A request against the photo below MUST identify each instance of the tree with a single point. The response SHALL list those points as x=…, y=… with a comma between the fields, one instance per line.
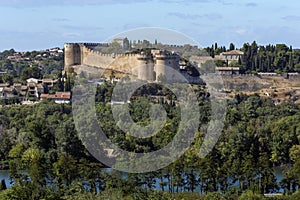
x=33, y=159
x=2, y=185
x=65, y=170
x=295, y=157
x=31, y=72
x=231, y=47
x=7, y=78
x=234, y=63
x=220, y=63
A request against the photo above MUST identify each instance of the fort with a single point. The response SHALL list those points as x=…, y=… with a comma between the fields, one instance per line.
x=150, y=66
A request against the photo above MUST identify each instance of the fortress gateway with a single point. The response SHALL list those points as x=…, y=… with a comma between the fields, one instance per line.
x=150, y=66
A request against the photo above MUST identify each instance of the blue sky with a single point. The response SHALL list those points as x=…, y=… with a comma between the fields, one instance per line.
x=39, y=24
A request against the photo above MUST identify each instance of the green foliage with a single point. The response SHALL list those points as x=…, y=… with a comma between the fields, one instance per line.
x=31, y=72
x=295, y=196
x=277, y=58
x=208, y=67
x=269, y=58
x=214, y=196
x=220, y=63
x=8, y=78
x=258, y=135
x=16, y=151
x=249, y=195
x=27, y=191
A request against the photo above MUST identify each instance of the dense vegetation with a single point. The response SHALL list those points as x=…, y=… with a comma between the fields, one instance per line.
x=277, y=58
x=40, y=146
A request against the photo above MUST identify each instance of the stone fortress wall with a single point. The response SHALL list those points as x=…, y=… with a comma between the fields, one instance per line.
x=143, y=66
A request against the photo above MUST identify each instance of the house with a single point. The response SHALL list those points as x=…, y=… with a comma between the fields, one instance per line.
x=24, y=89
x=9, y=92
x=49, y=83
x=35, y=90
x=62, y=97
x=3, y=85
x=36, y=87
x=32, y=80
x=55, y=49
x=17, y=86
x=233, y=55
x=32, y=90
x=39, y=89
x=58, y=97
x=46, y=82
x=44, y=96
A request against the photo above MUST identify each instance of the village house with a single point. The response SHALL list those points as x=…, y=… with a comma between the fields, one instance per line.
x=233, y=55
x=49, y=83
x=32, y=90
x=17, y=86
x=9, y=92
x=35, y=89
x=62, y=97
x=58, y=97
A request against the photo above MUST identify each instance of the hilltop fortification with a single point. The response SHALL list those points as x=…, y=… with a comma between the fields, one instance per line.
x=150, y=65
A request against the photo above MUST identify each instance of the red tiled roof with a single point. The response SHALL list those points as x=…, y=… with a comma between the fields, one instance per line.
x=44, y=95
x=63, y=95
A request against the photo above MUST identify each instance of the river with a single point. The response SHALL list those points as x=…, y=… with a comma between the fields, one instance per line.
x=4, y=174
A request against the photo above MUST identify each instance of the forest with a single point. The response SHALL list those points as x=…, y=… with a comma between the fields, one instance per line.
x=46, y=159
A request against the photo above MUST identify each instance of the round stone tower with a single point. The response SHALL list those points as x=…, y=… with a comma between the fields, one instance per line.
x=72, y=54
x=166, y=66
x=146, y=67
x=161, y=64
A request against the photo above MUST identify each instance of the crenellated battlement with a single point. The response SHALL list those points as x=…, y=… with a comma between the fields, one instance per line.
x=146, y=66
x=96, y=44
x=166, y=56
